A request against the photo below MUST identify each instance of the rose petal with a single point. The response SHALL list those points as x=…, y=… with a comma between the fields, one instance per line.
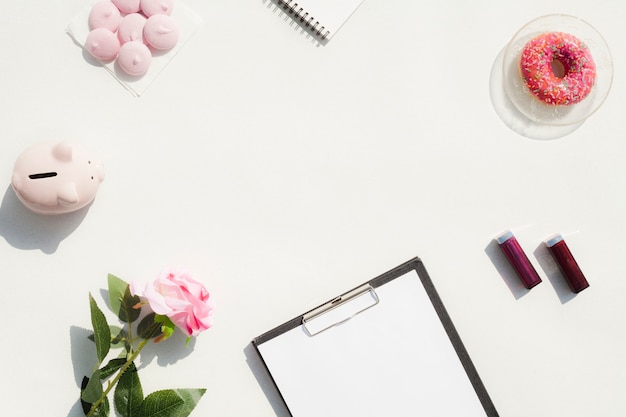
x=176, y=294
x=135, y=289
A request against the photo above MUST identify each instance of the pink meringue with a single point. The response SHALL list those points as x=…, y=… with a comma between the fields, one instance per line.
x=131, y=28
x=127, y=6
x=161, y=32
x=102, y=44
x=104, y=14
x=152, y=7
x=134, y=58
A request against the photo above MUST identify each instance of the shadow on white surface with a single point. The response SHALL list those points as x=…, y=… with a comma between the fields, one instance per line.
x=24, y=229
x=167, y=352
x=76, y=410
x=255, y=363
x=511, y=116
x=552, y=271
x=506, y=271
x=83, y=356
x=87, y=57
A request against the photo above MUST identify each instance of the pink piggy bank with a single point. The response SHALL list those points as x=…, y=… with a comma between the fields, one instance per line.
x=56, y=177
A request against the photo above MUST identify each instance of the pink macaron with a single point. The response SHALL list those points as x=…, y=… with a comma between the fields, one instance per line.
x=152, y=7
x=134, y=58
x=161, y=32
x=102, y=44
x=104, y=14
x=131, y=28
x=127, y=6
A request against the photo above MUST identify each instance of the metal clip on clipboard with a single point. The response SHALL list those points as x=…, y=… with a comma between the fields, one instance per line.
x=339, y=310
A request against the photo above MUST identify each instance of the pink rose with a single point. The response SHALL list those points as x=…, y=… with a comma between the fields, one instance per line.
x=184, y=300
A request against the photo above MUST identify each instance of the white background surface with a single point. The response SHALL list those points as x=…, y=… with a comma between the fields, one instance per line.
x=283, y=173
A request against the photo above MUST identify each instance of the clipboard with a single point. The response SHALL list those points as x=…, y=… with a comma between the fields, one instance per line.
x=387, y=347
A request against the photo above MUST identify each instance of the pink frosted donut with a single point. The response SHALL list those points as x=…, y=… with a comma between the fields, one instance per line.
x=161, y=32
x=561, y=53
x=104, y=14
x=152, y=7
x=131, y=28
x=134, y=58
x=127, y=6
x=102, y=44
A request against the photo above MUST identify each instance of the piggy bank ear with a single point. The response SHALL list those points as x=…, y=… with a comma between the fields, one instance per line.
x=67, y=194
x=62, y=151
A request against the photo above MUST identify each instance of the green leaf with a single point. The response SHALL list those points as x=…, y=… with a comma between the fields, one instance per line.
x=117, y=288
x=111, y=367
x=122, y=301
x=148, y=327
x=128, y=393
x=93, y=390
x=191, y=397
x=85, y=405
x=171, y=403
x=167, y=326
x=103, y=408
x=119, y=337
x=101, y=331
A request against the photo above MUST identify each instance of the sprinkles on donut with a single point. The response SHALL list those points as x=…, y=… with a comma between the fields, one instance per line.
x=564, y=54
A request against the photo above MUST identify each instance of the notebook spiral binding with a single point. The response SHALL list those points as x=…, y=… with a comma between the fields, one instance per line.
x=291, y=6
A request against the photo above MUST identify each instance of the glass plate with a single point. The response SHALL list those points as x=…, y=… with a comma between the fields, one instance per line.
x=526, y=102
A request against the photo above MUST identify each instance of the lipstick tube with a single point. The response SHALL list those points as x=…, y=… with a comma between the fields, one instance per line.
x=518, y=259
x=567, y=264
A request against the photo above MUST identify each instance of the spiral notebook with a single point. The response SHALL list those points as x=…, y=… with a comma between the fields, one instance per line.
x=322, y=18
x=385, y=348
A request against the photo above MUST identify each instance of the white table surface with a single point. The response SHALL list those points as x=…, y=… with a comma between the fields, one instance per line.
x=282, y=173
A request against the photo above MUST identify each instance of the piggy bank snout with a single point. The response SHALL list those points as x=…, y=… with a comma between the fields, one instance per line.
x=99, y=172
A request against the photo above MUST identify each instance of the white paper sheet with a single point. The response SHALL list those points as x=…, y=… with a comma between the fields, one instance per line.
x=394, y=359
